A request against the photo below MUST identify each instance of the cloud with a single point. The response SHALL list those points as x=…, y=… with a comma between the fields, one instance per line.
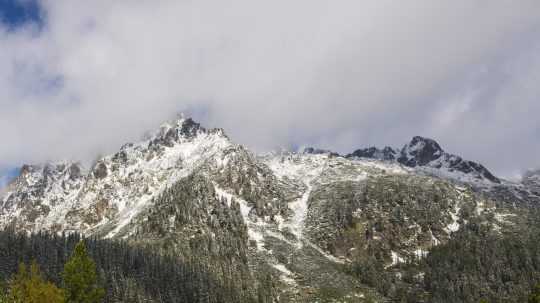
x=338, y=75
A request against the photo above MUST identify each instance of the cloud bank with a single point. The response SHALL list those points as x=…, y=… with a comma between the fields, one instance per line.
x=337, y=75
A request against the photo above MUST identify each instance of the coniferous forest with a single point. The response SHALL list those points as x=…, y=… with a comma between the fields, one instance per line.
x=479, y=264
x=127, y=273
x=475, y=266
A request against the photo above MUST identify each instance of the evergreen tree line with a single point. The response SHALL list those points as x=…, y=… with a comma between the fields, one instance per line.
x=126, y=273
x=482, y=264
x=478, y=264
x=79, y=283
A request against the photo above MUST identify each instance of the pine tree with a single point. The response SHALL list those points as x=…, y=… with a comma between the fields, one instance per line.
x=30, y=287
x=80, y=278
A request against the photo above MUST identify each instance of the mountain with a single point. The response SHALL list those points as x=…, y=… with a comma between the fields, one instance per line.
x=67, y=196
x=283, y=226
x=427, y=154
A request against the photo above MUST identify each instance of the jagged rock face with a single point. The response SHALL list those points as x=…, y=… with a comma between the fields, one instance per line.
x=116, y=189
x=427, y=156
x=426, y=152
x=37, y=192
x=386, y=154
x=300, y=216
x=420, y=152
x=100, y=171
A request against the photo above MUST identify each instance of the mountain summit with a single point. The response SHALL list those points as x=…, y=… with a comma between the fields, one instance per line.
x=428, y=155
x=315, y=224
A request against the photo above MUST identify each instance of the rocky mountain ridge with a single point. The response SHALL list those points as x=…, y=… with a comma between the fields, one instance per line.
x=300, y=217
x=427, y=154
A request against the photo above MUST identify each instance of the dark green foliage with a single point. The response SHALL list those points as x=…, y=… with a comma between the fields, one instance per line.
x=129, y=274
x=189, y=221
x=479, y=263
x=80, y=278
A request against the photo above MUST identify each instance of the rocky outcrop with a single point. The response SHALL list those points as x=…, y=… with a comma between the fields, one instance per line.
x=423, y=153
x=385, y=154
x=420, y=152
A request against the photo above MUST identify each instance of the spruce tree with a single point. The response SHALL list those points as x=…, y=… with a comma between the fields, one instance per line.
x=80, y=278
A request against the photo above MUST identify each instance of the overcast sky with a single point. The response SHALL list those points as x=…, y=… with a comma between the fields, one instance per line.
x=89, y=76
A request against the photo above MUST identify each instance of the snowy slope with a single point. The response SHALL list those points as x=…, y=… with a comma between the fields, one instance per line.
x=65, y=196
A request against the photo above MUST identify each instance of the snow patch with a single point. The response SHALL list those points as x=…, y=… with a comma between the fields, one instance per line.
x=454, y=226
x=286, y=275
x=420, y=253
x=396, y=259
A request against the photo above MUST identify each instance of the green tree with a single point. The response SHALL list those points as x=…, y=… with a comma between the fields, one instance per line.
x=28, y=286
x=534, y=297
x=80, y=278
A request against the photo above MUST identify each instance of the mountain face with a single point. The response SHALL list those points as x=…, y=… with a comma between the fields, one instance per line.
x=105, y=197
x=386, y=154
x=312, y=221
x=427, y=154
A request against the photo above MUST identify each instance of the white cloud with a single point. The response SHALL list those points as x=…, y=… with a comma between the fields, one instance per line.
x=340, y=74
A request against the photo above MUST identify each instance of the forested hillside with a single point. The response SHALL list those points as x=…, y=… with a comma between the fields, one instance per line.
x=479, y=264
x=128, y=274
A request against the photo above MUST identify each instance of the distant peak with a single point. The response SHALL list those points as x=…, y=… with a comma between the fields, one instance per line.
x=387, y=153
x=178, y=129
x=418, y=142
x=420, y=151
x=425, y=152
x=318, y=151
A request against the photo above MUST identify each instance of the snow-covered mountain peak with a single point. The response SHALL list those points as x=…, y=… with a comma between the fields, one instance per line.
x=420, y=151
x=179, y=130
x=43, y=175
x=427, y=156
x=116, y=188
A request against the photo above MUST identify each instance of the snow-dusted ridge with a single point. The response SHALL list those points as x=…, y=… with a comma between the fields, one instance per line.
x=118, y=187
x=286, y=200
x=106, y=198
x=426, y=156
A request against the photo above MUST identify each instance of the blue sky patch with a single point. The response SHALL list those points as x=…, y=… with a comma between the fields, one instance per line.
x=16, y=13
x=6, y=175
